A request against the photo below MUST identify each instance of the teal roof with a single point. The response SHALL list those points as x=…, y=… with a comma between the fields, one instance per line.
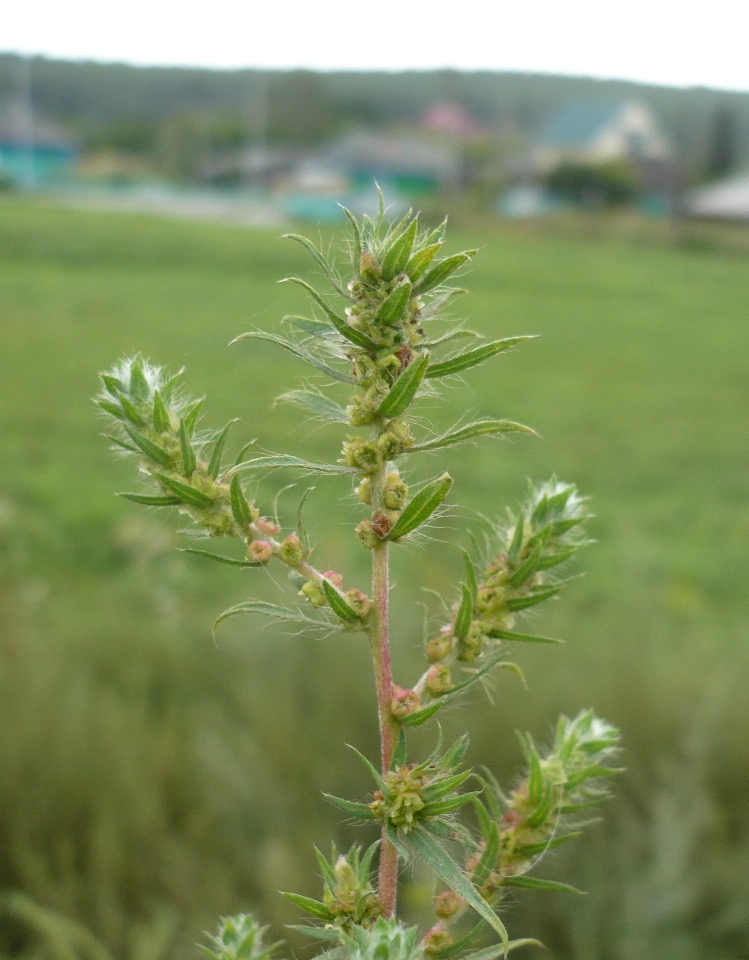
x=577, y=124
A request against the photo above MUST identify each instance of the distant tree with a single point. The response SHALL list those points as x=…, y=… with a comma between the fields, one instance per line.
x=299, y=108
x=723, y=153
x=594, y=185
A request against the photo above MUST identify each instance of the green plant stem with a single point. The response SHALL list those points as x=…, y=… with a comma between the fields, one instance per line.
x=380, y=640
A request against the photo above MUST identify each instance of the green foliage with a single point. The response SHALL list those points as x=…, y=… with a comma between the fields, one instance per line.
x=593, y=186
x=381, y=338
x=663, y=595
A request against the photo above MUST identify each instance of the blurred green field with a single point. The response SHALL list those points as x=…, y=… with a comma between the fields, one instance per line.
x=151, y=779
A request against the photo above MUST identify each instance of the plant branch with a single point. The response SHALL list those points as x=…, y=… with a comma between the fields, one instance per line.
x=380, y=640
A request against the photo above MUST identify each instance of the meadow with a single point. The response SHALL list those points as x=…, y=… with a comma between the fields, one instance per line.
x=151, y=779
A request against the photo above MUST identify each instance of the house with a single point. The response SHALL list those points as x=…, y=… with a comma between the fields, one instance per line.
x=402, y=164
x=34, y=151
x=725, y=200
x=599, y=133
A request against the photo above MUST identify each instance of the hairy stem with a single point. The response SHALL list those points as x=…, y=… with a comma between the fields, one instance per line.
x=380, y=640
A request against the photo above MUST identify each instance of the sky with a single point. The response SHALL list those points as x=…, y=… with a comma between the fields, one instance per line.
x=655, y=41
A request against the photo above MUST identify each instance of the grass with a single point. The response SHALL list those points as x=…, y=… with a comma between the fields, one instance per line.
x=637, y=386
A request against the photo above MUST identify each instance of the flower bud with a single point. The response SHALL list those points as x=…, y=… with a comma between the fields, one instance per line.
x=404, y=702
x=291, y=549
x=396, y=492
x=448, y=903
x=335, y=578
x=361, y=454
x=268, y=527
x=359, y=601
x=470, y=648
x=365, y=490
x=437, y=940
x=368, y=269
x=367, y=535
x=314, y=593
x=439, y=647
x=439, y=680
x=260, y=551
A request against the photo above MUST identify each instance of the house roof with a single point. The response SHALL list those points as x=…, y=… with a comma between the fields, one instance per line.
x=577, y=124
x=393, y=155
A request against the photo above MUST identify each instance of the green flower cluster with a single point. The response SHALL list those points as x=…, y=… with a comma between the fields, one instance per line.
x=349, y=899
x=239, y=938
x=539, y=813
x=386, y=940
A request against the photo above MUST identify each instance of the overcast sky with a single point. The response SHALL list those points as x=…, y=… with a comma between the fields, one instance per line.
x=658, y=41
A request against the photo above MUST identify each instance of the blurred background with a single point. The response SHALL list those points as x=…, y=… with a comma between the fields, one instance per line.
x=152, y=779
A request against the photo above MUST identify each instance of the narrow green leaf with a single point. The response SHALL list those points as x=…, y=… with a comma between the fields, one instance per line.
x=465, y=614
x=328, y=934
x=317, y=404
x=401, y=751
x=114, y=410
x=500, y=950
x=121, y=443
x=151, y=501
x=239, y=506
x=554, y=559
x=536, y=849
x=441, y=788
x=431, y=851
x=517, y=539
x=543, y=810
x=327, y=870
x=421, y=260
x=152, y=450
x=131, y=411
x=313, y=907
x=191, y=418
x=480, y=428
x=322, y=261
x=186, y=493
x=471, y=575
x=421, y=508
x=243, y=451
x=277, y=461
x=214, y=467
x=220, y=558
x=452, y=335
x=365, y=867
x=404, y=389
x=534, y=883
x=527, y=568
x=438, y=808
x=522, y=603
x=342, y=326
x=168, y=388
x=339, y=605
x=189, y=461
x=298, y=351
x=472, y=358
x=395, y=260
x=444, y=269
x=370, y=766
x=397, y=840
x=112, y=385
x=139, y=388
x=301, y=525
x=356, y=239
x=535, y=775
x=421, y=716
x=488, y=861
x=161, y=420
x=272, y=610
x=315, y=328
x=394, y=306
x=520, y=637
x=359, y=810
